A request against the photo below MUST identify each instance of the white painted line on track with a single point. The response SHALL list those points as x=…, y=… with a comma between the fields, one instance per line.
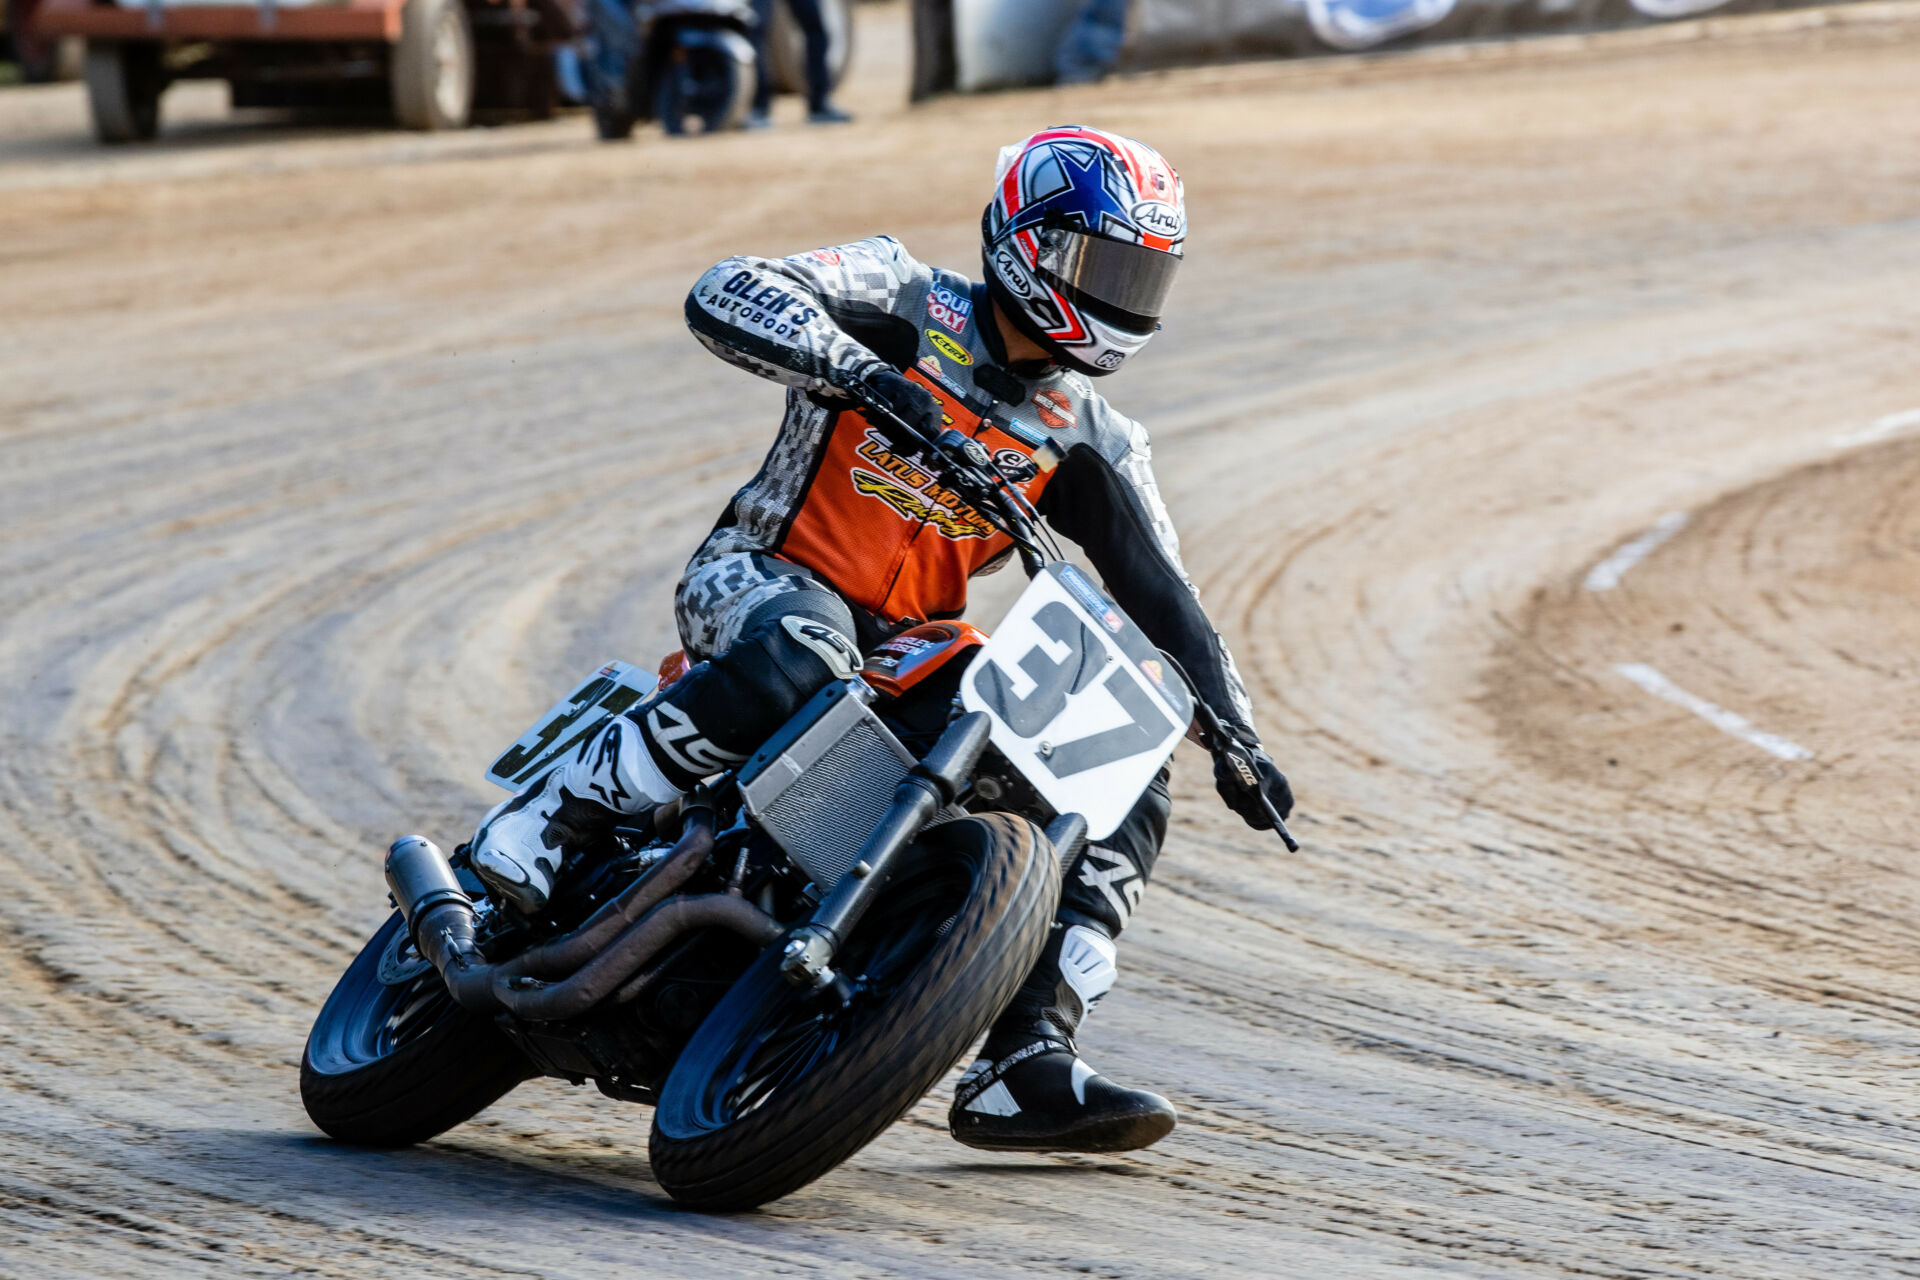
x=1719, y=717
x=1892, y=424
x=1605, y=576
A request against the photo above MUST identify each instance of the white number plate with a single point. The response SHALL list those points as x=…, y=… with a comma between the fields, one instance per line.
x=604, y=694
x=1080, y=699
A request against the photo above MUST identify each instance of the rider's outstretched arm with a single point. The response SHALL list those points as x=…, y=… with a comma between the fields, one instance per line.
x=1107, y=501
x=820, y=321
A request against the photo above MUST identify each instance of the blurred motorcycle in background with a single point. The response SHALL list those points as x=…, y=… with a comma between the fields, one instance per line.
x=689, y=64
x=692, y=64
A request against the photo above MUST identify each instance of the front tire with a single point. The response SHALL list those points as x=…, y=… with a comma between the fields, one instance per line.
x=392, y=1060
x=778, y=1085
x=432, y=70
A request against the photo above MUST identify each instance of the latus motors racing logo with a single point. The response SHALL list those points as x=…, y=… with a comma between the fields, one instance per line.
x=913, y=493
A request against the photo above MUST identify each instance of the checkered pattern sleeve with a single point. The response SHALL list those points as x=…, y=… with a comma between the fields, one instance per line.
x=787, y=319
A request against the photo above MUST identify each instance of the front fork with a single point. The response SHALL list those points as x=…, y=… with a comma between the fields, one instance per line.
x=933, y=784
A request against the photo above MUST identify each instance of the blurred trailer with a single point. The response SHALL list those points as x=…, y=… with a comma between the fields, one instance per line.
x=436, y=63
x=39, y=58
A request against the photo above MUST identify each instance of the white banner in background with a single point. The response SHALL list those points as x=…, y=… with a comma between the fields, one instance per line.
x=1362, y=24
x=1675, y=8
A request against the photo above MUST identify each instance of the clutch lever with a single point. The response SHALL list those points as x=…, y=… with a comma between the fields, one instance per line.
x=965, y=468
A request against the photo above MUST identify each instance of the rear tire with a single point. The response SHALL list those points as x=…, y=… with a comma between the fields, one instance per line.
x=777, y=1087
x=124, y=84
x=391, y=1063
x=433, y=65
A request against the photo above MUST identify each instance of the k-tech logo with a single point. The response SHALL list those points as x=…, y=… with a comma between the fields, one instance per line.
x=914, y=493
x=1158, y=218
x=949, y=308
x=948, y=347
x=751, y=303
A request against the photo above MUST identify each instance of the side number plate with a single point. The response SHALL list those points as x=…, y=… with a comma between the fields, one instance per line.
x=1079, y=698
x=604, y=694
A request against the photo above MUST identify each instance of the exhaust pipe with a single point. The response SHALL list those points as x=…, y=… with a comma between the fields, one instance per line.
x=439, y=917
x=604, y=953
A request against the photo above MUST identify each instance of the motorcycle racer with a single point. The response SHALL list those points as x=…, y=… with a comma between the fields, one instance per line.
x=841, y=540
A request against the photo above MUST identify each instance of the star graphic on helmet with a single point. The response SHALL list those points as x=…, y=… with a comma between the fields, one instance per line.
x=1070, y=184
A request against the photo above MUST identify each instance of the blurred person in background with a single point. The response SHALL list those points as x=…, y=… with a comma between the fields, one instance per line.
x=820, y=108
x=1091, y=45
x=809, y=568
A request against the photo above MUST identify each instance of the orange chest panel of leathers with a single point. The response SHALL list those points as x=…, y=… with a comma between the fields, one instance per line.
x=881, y=527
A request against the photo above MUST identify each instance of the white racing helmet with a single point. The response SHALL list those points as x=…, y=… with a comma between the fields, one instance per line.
x=1081, y=242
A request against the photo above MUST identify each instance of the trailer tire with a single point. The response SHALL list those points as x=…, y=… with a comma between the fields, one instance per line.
x=124, y=82
x=432, y=66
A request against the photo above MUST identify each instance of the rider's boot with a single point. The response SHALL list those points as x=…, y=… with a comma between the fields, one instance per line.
x=1030, y=1090
x=520, y=844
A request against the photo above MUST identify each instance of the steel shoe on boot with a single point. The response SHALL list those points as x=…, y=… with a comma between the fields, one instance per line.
x=1030, y=1090
x=1044, y=1097
x=519, y=846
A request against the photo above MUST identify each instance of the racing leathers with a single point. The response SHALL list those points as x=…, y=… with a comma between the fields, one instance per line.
x=843, y=538
x=839, y=509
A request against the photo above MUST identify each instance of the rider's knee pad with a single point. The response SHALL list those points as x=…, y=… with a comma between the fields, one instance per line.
x=728, y=705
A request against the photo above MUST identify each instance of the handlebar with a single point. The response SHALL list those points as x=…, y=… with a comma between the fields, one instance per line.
x=969, y=470
x=1221, y=744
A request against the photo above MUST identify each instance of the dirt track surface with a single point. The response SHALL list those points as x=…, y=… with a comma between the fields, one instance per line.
x=329, y=457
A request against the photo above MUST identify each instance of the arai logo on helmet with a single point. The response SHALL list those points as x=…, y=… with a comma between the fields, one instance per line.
x=1158, y=218
x=1013, y=273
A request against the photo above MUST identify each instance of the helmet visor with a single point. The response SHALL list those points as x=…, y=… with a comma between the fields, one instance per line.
x=1124, y=284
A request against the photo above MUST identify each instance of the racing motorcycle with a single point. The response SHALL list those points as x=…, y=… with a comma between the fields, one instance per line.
x=788, y=958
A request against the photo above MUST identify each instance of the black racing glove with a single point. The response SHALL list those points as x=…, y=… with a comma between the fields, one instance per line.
x=1242, y=774
x=906, y=398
